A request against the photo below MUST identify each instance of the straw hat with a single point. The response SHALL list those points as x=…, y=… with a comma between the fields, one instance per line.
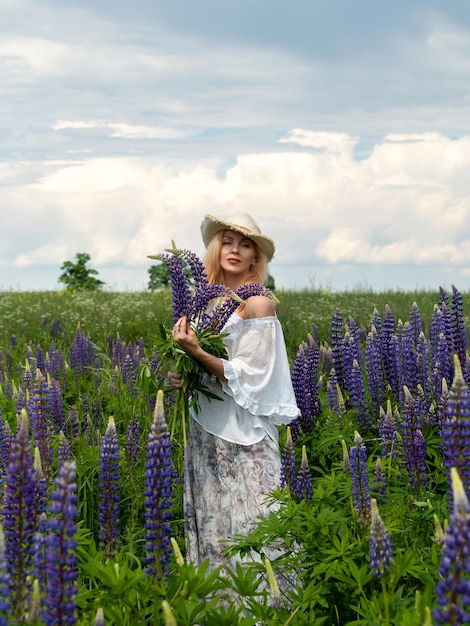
x=241, y=223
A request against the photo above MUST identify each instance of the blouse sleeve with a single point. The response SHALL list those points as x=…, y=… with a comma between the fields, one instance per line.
x=257, y=371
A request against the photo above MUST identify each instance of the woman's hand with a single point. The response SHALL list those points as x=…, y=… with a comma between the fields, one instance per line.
x=185, y=337
x=174, y=378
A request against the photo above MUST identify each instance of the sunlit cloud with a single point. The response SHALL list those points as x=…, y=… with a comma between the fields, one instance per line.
x=128, y=131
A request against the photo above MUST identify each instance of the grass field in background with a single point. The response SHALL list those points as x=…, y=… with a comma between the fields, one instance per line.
x=38, y=316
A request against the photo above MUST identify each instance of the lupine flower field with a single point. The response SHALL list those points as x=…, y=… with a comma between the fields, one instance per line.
x=373, y=509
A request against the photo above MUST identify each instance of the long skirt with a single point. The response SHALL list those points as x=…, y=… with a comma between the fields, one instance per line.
x=225, y=489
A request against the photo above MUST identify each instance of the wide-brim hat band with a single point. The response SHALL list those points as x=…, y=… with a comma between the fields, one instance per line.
x=240, y=223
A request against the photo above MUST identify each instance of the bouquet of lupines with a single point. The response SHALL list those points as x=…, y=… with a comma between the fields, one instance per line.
x=207, y=308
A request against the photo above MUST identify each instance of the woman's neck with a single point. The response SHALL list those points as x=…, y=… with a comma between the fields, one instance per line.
x=234, y=282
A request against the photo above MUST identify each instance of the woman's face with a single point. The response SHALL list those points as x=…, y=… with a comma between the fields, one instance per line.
x=237, y=255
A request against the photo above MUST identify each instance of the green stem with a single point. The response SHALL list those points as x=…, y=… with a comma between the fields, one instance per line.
x=386, y=600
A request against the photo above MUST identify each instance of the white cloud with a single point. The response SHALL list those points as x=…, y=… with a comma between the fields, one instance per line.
x=128, y=131
x=407, y=204
x=30, y=58
x=339, y=144
x=43, y=255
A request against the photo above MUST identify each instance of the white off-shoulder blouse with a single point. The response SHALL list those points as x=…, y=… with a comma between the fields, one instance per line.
x=258, y=394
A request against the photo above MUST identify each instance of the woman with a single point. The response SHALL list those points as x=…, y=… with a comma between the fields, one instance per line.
x=232, y=458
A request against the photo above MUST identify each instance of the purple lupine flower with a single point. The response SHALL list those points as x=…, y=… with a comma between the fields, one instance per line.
x=40, y=360
x=197, y=269
x=72, y=427
x=416, y=322
x=21, y=400
x=455, y=427
x=6, y=437
x=357, y=396
x=453, y=587
x=442, y=411
x=303, y=487
x=380, y=482
x=459, y=332
x=389, y=352
x=346, y=358
x=441, y=369
x=39, y=552
x=180, y=290
x=133, y=440
x=334, y=397
x=218, y=316
x=158, y=495
x=436, y=328
x=129, y=375
x=376, y=320
x=288, y=463
x=19, y=514
x=304, y=376
x=375, y=378
x=57, y=406
x=40, y=413
x=82, y=353
x=28, y=377
x=447, y=330
x=360, y=481
x=387, y=431
x=41, y=492
x=336, y=339
x=423, y=368
x=61, y=561
x=356, y=334
x=64, y=451
x=414, y=444
x=5, y=583
x=55, y=362
x=351, y=351
x=380, y=543
x=108, y=516
x=409, y=370
x=118, y=352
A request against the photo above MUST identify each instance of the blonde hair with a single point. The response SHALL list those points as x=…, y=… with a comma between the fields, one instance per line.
x=259, y=271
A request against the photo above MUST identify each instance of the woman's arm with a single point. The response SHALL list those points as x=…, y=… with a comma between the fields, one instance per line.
x=186, y=338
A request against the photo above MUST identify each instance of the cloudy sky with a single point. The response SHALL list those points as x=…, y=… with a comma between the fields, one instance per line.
x=343, y=127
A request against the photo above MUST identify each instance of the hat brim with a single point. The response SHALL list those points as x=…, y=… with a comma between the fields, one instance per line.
x=211, y=225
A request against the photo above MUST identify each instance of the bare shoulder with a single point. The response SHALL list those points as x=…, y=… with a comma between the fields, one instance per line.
x=259, y=306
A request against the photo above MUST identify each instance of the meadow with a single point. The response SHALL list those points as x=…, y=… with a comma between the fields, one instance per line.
x=372, y=511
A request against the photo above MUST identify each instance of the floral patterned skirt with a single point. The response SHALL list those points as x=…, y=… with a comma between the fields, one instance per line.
x=225, y=489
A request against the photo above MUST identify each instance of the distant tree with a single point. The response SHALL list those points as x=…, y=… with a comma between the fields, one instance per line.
x=159, y=276
x=78, y=276
x=270, y=284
